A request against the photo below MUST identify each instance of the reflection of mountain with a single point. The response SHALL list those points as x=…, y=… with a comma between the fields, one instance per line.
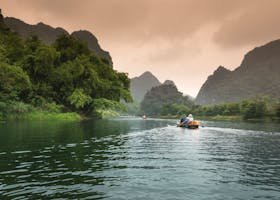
x=49, y=34
x=140, y=85
x=258, y=74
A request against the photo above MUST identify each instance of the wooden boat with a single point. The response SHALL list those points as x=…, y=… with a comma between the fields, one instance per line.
x=191, y=125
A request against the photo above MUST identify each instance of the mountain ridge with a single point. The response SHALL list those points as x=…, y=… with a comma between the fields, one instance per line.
x=258, y=75
x=49, y=34
x=141, y=84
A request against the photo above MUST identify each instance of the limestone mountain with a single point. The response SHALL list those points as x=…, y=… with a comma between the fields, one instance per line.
x=45, y=32
x=3, y=26
x=258, y=74
x=49, y=34
x=142, y=84
x=93, y=44
x=162, y=95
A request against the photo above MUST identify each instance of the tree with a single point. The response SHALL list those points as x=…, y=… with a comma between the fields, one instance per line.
x=253, y=109
x=79, y=99
x=70, y=48
x=66, y=74
x=14, y=82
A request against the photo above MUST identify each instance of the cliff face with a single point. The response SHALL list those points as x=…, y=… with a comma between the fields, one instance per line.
x=49, y=34
x=2, y=24
x=142, y=84
x=258, y=74
x=45, y=32
x=93, y=44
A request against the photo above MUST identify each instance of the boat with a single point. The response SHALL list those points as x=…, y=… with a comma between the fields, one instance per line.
x=192, y=125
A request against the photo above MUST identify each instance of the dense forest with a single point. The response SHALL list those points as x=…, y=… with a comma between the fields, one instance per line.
x=65, y=77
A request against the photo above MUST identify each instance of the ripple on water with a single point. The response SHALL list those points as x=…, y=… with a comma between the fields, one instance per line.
x=159, y=163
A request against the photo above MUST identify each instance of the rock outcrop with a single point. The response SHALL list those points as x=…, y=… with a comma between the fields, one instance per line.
x=258, y=75
x=49, y=34
x=93, y=44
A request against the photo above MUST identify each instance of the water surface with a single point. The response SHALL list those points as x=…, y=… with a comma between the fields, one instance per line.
x=139, y=159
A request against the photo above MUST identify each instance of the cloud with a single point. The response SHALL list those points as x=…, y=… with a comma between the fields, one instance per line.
x=256, y=25
x=163, y=36
x=137, y=19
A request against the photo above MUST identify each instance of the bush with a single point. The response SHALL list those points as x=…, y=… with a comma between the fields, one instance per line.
x=52, y=107
x=43, y=115
x=254, y=109
x=174, y=109
x=103, y=108
x=79, y=99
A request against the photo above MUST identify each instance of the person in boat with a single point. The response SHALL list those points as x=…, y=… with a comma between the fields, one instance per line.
x=184, y=121
x=190, y=117
x=183, y=118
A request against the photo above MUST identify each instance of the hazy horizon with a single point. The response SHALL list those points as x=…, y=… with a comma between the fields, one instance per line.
x=184, y=41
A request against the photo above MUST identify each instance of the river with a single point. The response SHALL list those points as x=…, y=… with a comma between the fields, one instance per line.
x=139, y=159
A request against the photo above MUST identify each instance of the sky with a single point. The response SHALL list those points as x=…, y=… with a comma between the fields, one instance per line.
x=180, y=40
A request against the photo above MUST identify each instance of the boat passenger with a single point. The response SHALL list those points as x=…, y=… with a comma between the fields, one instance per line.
x=183, y=118
x=184, y=121
x=190, y=117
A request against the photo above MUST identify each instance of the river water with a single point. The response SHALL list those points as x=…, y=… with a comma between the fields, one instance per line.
x=139, y=159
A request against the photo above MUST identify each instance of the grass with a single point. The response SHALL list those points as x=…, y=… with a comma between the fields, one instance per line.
x=44, y=115
x=22, y=111
x=49, y=111
x=103, y=114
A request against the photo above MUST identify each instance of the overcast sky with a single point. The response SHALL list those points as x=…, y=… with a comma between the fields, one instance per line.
x=181, y=40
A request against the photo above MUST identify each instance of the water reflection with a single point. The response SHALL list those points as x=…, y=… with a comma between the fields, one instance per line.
x=137, y=159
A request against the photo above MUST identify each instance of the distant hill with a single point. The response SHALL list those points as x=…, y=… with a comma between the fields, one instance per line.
x=162, y=95
x=142, y=84
x=49, y=34
x=258, y=74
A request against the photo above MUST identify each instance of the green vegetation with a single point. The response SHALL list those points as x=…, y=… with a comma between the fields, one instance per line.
x=250, y=109
x=165, y=100
x=61, y=81
x=18, y=110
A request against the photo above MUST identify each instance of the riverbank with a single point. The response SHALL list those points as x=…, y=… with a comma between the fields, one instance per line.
x=42, y=116
x=14, y=110
x=21, y=111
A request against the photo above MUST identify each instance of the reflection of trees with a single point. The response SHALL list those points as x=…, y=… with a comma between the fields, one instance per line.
x=61, y=157
x=69, y=160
